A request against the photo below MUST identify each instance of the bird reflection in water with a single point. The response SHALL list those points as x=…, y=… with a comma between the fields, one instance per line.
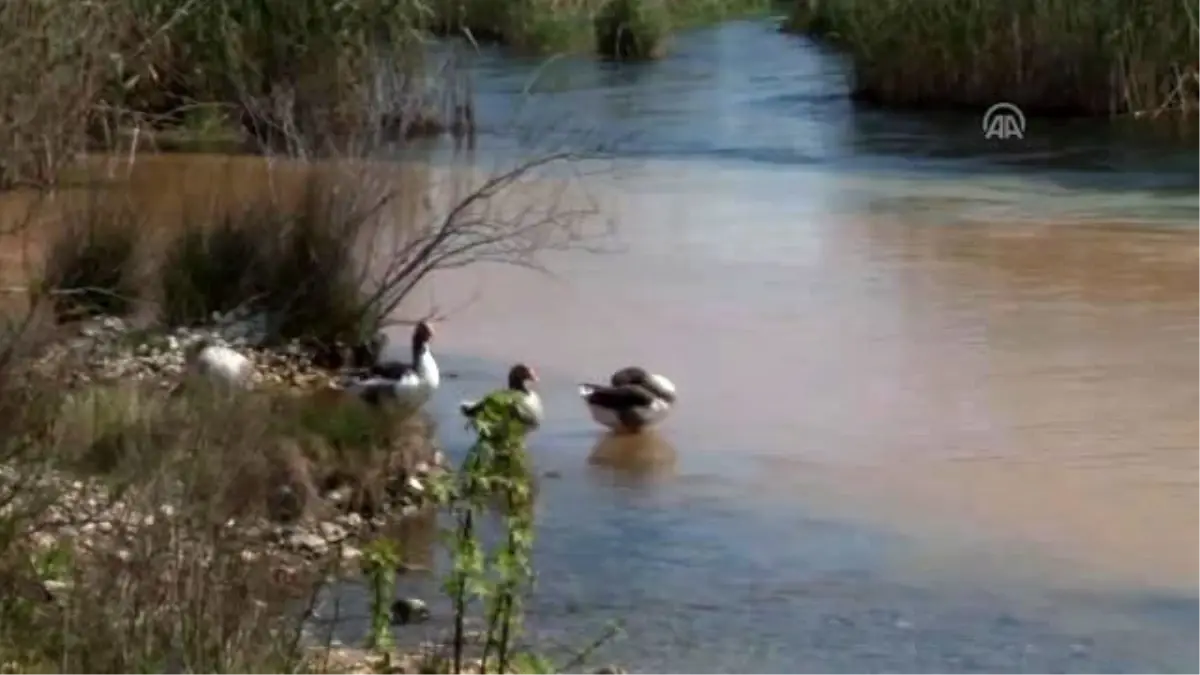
x=634, y=459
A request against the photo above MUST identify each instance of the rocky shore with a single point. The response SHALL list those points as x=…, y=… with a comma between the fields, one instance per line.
x=85, y=515
x=110, y=350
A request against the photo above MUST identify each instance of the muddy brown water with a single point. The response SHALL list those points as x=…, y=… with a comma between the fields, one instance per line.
x=938, y=408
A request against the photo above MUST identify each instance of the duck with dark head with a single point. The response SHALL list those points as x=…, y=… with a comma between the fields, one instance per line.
x=633, y=400
x=528, y=405
x=411, y=384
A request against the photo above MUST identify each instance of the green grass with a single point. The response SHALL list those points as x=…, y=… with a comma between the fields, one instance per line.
x=1056, y=57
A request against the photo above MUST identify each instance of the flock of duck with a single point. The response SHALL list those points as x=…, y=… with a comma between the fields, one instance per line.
x=633, y=400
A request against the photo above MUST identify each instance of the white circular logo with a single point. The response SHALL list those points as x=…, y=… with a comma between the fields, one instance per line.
x=1003, y=120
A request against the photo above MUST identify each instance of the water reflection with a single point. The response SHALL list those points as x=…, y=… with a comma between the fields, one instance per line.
x=633, y=459
x=743, y=92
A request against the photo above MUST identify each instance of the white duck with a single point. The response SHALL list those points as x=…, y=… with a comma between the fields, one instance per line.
x=528, y=404
x=409, y=384
x=633, y=400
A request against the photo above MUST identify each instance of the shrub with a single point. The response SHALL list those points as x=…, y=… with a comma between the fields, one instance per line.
x=54, y=65
x=296, y=265
x=178, y=593
x=89, y=264
x=209, y=269
x=300, y=68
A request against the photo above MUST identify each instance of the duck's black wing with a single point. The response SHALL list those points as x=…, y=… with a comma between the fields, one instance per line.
x=628, y=376
x=618, y=398
x=392, y=370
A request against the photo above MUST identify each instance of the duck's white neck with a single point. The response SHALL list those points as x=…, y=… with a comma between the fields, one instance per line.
x=427, y=368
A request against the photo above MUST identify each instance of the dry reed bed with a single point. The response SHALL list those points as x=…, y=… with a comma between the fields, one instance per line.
x=1048, y=57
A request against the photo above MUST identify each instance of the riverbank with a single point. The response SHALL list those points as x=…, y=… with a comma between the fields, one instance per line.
x=1055, y=58
x=136, y=494
x=286, y=77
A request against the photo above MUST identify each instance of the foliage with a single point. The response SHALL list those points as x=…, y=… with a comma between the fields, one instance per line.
x=300, y=68
x=496, y=467
x=379, y=564
x=1055, y=56
x=54, y=66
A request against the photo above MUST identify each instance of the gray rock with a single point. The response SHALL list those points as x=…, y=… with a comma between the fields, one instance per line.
x=332, y=531
x=307, y=541
x=352, y=521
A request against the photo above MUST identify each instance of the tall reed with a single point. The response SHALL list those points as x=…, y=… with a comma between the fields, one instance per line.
x=1108, y=57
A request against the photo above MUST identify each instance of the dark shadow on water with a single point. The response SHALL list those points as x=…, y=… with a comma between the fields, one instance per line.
x=633, y=459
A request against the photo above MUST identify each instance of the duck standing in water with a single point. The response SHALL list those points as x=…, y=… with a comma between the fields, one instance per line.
x=409, y=384
x=527, y=405
x=633, y=400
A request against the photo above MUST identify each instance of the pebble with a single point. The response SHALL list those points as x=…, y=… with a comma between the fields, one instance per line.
x=307, y=541
x=351, y=520
x=106, y=356
x=332, y=531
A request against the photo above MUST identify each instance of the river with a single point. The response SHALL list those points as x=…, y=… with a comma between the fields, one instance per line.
x=938, y=393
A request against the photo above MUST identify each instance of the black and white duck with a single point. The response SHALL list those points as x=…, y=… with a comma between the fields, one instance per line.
x=527, y=403
x=633, y=399
x=409, y=384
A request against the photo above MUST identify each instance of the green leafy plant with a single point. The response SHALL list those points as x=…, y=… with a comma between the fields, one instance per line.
x=496, y=469
x=379, y=565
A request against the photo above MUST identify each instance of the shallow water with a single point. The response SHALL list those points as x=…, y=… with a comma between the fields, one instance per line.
x=938, y=395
